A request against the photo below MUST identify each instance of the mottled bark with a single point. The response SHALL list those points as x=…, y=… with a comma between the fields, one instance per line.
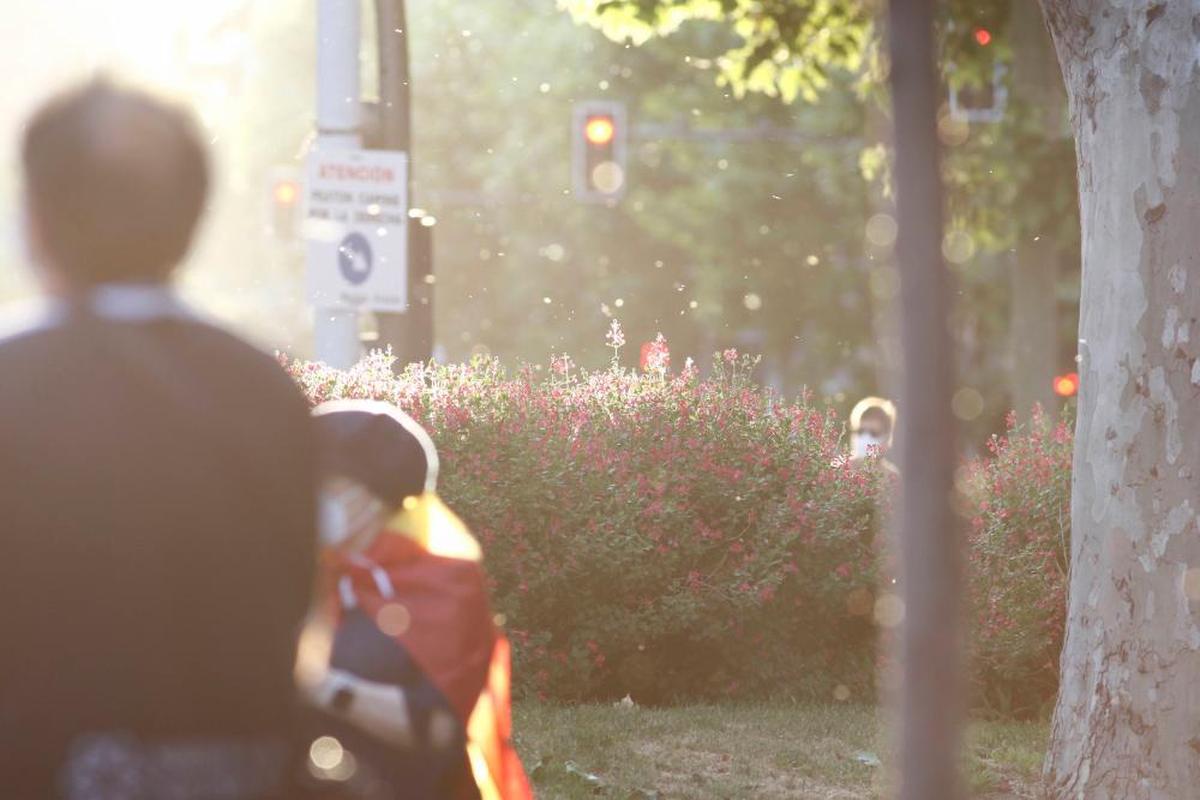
x=1128, y=718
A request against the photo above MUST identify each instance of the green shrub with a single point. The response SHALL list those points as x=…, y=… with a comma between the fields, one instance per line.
x=652, y=534
x=1017, y=566
x=678, y=538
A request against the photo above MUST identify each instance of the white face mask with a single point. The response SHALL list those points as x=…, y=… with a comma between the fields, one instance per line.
x=863, y=444
x=333, y=521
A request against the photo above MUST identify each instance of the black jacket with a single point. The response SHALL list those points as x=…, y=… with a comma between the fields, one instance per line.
x=156, y=533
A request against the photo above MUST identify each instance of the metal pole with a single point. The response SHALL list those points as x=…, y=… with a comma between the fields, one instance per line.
x=931, y=706
x=395, y=105
x=339, y=124
x=410, y=334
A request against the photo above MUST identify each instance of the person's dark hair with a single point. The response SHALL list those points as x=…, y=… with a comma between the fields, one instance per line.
x=878, y=414
x=116, y=181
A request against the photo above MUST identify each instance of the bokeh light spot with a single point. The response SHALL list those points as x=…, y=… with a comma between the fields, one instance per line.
x=326, y=753
x=393, y=619
x=958, y=247
x=881, y=230
x=608, y=177
x=889, y=610
x=967, y=403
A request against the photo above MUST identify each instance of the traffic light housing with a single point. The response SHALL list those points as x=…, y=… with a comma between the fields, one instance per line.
x=598, y=151
x=985, y=99
x=285, y=204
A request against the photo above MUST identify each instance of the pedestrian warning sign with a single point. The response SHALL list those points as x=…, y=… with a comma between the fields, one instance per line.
x=356, y=228
x=355, y=258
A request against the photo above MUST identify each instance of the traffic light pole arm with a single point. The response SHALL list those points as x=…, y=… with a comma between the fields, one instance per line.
x=655, y=131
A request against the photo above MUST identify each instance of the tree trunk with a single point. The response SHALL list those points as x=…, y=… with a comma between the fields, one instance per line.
x=1128, y=718
x=1034, y=282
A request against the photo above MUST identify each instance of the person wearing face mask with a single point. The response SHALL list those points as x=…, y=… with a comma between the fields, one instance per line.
x=871, y=425
x=411, y=677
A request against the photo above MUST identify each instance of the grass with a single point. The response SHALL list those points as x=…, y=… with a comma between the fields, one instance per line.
x=745, y=751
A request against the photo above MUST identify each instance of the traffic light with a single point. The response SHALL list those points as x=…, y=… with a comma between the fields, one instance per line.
x=598, y=145
x=285, y=204
x=1067, y=385
x=985, y=99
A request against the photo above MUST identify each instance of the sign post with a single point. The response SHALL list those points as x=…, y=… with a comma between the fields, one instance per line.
x=339, y=126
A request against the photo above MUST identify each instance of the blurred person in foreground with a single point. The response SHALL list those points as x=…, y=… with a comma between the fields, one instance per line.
x=156, y=480
x=411, y=682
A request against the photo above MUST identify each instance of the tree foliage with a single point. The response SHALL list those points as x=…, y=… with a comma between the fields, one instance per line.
x=789, y=48
x=785, y=49
x=1007, y=181
x=718, y=242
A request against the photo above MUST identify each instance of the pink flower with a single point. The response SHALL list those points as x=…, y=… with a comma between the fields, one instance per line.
x=561, y=365
x=656, y=356
x=615, y=336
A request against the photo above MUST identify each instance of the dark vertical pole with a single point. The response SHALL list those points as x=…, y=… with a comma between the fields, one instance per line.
x=930, y=703
x=410, y=334
x=395, y=118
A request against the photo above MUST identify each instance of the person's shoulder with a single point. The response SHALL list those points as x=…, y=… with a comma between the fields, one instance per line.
x=239, y=357
x=25, y=324
x=214, y=335
x=32, y=342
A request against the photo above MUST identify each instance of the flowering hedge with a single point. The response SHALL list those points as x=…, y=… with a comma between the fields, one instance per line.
x=648, y=533
x=674, y=538
x=1017, y=566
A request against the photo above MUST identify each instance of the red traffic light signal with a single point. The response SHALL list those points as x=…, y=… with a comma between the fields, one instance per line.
x=1067, y=385
x=284, y=201
x=983, y=36
x=598, y=151
x=599, y=130
x=287, y=192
